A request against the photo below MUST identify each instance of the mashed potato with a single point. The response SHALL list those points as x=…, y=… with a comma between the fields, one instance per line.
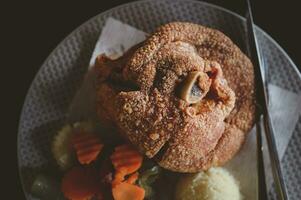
x=214, y=184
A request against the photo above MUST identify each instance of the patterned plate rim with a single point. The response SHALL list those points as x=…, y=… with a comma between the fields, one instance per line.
x=270, y=38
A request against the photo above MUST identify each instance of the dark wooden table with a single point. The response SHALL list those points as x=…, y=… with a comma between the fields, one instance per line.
x=36, y=27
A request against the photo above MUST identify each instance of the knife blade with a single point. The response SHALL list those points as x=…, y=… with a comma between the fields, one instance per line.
x=262, y=106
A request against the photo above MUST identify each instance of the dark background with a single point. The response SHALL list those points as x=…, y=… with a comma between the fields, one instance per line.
x=34, y=28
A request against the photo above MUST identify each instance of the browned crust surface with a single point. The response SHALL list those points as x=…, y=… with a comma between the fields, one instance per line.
x=156, y=121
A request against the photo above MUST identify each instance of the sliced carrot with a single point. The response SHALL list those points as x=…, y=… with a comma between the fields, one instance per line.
x=80, y=183
x=132, y=178
x=87, y=147
x=126, y=159
x=118, y=178
x=127, y=191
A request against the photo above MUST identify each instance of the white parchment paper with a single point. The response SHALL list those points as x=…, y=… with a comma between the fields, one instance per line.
x=117, y=37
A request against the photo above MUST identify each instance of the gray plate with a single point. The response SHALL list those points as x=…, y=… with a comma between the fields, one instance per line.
x=61, y=74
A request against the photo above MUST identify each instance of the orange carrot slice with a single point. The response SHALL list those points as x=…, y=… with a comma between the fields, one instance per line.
x=127, y=191
x=132, y=178
x=126, y=159
x=118, y=178
x=80, y=183
x=87, y=147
